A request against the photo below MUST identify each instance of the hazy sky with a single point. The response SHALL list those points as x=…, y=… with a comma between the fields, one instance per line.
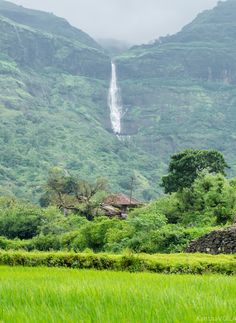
x=135, y=21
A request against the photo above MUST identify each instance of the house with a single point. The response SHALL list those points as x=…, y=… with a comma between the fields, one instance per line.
x=119, y=204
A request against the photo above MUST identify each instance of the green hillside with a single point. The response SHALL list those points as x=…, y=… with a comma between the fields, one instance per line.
x=45, y=22
x=53, y=105
x=179, y=92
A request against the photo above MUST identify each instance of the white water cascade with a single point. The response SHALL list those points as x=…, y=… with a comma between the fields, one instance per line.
x=114, y=101
x=18, y=35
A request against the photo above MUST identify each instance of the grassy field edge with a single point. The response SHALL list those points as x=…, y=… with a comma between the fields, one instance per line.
x=158, y=263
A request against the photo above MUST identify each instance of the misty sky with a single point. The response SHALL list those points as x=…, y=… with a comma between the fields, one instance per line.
x=134, y=21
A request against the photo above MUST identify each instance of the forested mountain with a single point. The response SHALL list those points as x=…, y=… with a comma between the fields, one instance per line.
x=53, y=104
x=180, y=91
x=54, y=79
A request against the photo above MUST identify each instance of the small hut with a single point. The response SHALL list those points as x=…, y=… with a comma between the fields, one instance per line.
x=119, y=204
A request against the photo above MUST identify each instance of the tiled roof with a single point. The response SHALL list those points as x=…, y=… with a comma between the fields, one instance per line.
x=120, y=199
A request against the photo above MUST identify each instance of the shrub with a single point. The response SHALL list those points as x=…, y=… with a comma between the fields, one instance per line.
x=168, y=264
x=16, y=244
x=46, y=243
x=147, y=218
x=19, y=220
x=56, y=223
x=171, y=239
x=210, y=201
x=93, y=234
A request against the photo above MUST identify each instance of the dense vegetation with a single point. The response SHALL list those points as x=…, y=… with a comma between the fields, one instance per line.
x=177, y=93
x=186, y=166
x=54, y=82
x=72, y=217
x=62, y=295
x=53, y=106
x=168, y=264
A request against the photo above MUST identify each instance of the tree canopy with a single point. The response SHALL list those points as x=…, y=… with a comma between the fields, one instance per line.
x=185, y=167
x=69, y=193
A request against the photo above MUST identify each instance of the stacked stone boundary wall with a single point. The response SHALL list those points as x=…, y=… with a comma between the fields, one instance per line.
x=215, y=242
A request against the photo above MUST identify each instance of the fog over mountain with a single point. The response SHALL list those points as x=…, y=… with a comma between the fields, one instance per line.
x=134, y=21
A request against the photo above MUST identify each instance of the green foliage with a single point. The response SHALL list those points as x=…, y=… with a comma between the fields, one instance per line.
x=118, y=238
x=45, y=243
x=56, y=223
x=185, y=167
x=16, y=244
x=171, y=239
x=182, y=263
x=70, y=194
x=169, y=206
x=93, y=235
x=164, y=226
x=147, y=218
x=18, y=220
x=211, y=200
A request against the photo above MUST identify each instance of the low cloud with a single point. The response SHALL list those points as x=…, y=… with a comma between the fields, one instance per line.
x=135, y=21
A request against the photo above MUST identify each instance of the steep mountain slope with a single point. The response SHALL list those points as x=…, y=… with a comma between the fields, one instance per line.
x=45, y=22
x=180, y=91
x=54, y=82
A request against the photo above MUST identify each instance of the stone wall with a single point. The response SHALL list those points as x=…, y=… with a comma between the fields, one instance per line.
x=216, y=242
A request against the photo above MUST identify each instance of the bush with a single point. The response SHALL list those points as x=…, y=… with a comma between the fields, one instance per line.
x=171, y=239
x=168, y=264
x=56, y=223
x=16, y=244
x=117, y=238
x=93, y=234
x=19, y=220
x=210, y=201
x=46, y=243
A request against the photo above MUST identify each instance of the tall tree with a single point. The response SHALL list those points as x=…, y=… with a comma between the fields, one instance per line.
x=71, y=194
x=185, y=167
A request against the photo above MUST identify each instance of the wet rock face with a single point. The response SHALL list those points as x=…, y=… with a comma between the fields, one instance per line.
x=216, y=242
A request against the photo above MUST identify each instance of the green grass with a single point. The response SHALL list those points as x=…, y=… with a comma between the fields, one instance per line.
x=69, y=295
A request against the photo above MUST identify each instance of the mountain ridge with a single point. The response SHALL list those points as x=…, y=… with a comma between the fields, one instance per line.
x=179, y=91
x=45, y=22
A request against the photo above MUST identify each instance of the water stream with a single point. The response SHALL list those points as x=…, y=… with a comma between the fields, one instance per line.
x=114, y=101
x=18, y=35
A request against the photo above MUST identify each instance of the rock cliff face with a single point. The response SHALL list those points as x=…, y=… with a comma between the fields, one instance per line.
x=203, y=50
x=216, y=242
x=179, y=92
x=38, y=50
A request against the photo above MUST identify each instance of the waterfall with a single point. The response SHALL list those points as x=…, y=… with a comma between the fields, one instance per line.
x=17, y=35
x=114, y=101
